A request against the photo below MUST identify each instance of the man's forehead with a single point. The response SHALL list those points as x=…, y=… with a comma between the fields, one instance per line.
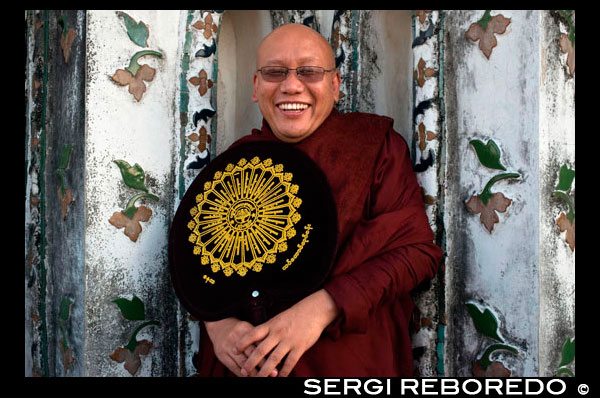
x=303, y=44
x=294, y=30
x=280, y=60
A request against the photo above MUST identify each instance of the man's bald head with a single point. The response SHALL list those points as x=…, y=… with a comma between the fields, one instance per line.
x=299, y=31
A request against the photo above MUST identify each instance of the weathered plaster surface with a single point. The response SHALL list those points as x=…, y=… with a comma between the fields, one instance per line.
x=65, y=235
x=119, y=127
x=385, y=67
x=345, y=45
x=492, y=99
x=197, y=103
x=429, y=299
x=33, y=365
x=557, y=147
x=241, y=33
x=324, y=20
x=188, y=336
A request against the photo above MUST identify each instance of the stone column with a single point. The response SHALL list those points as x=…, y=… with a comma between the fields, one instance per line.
x=54, y=195
x=131, y=130
x=509, y=98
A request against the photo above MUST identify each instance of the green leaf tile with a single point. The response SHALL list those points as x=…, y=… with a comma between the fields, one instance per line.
x=485, y=322
x=65, y=308
x=65, y=155
x=565, y=178
x=131, y=309
x=137, y=31
x=133, y=176
x=488, y=154
x=568, y=352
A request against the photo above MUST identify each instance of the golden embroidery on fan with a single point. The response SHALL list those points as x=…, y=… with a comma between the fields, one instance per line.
x=245, y=216
x=289, y=261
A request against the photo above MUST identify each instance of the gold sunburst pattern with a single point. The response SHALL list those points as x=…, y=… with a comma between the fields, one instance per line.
x=245, y=216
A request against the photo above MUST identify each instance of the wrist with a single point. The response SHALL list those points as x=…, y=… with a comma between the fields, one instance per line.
x=211, y=325
x=327, y=308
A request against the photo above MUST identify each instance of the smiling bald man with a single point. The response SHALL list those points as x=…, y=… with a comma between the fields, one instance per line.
x=357, y=323
x=293, y=107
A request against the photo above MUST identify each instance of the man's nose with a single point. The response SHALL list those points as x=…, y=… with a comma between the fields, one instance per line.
x=291, y=83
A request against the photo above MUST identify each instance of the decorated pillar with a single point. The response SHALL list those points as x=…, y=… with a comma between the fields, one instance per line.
x=131, y=86
x=509, y=192
x=54, y=193
x=428, y=153
x=195, y=143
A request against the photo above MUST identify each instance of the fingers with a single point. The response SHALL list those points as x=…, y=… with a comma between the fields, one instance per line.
x=253, y=337
x=233, y=364
x=271, y=363
x=237, y=361
x=291, y=361
x=240, y=359
x=258, y=355
x=268, y=367
x=223, y=334
x=234, y=361
x=248, y=351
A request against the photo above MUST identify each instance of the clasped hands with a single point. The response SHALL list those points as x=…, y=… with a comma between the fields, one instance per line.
x=247, y=350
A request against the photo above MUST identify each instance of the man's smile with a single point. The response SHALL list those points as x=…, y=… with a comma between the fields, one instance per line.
x=292, y=107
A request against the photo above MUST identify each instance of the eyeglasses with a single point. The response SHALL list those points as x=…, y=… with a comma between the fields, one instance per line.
x=307, y=74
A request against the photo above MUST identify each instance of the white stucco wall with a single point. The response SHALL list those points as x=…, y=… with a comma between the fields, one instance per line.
x=241, y=33
x=119, y=127
x=557, y=148
x=521, y=271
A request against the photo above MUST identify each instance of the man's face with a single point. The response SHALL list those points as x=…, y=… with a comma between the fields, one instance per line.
x=295, y=109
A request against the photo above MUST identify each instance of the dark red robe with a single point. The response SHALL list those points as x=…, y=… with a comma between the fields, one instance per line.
x=385, y=249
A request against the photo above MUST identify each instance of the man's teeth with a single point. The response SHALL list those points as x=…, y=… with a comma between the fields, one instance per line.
x=293, y=106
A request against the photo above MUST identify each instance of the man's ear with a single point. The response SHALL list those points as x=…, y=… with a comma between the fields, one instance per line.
x=336, y=83
x=255, y=82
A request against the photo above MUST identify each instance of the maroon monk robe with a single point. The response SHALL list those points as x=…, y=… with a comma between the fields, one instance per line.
x=385, y=249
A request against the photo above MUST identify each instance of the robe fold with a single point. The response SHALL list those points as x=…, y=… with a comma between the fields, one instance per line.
x=384, y=249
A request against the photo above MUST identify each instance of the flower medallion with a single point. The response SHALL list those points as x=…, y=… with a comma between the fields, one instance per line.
x=245, y=216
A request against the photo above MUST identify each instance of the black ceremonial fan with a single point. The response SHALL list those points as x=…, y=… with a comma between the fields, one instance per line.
x=256, y=229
